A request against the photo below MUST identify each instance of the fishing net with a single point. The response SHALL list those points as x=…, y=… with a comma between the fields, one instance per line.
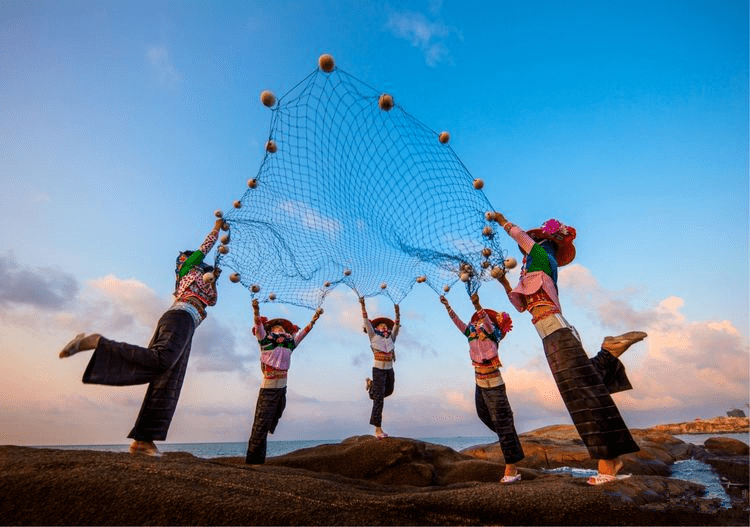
x=354, y=190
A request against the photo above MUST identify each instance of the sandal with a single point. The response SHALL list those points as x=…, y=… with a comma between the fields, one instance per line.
x=511, y=479
x=601, y=479
x=72, y=347
x=381, y=436
x=144, y=448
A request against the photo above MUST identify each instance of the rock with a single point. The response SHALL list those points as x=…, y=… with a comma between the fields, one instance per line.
x=708, y=426
x=560, y=446
x=726, y=446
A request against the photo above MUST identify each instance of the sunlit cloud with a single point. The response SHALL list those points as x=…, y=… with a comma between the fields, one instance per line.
x=430, y=36
x=165, y=71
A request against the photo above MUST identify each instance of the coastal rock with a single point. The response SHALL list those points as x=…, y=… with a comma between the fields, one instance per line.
x=358, y=482
x=726, y=446
x=714, y=425
x=560, y=446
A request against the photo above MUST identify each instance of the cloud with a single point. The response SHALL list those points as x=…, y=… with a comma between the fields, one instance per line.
x=310, y=218
x=429, y=36
x=165, y=71
x=44, y=288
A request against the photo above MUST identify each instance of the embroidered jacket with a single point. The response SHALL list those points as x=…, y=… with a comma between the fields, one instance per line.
x=381, y=345
x=539, y=272
x=482, y=344
x=276, y=348
x=192, y=284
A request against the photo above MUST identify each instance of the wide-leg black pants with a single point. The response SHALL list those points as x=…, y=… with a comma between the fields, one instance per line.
x=493, y=408
x=162, y=365
x=586, y=397
x=268, y=411
x=383, y=382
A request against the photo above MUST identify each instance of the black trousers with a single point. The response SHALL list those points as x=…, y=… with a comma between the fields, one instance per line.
x=586, y=397
x=162, y=365
x=493, y=408
x=268, y=411
x=383, y=382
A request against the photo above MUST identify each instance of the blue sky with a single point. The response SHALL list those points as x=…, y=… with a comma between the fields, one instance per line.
x=124, y=125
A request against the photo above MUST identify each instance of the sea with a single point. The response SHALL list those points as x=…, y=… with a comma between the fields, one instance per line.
x=688, y=470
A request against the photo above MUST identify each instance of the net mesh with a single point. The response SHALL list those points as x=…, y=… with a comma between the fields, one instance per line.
x=353, y=192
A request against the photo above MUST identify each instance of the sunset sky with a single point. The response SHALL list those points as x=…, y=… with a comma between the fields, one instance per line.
x=124, y=125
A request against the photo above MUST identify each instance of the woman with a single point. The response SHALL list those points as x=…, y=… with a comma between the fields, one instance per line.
x=484, y=332
x=163, y=363
x=277, y=339
x=382, y=332
x=585, y=384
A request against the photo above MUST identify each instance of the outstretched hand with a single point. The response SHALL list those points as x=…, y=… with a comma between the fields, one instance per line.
x=218, y=223
x=317, y=314
x=500, y=219
x=256, y=306
x=444, y=301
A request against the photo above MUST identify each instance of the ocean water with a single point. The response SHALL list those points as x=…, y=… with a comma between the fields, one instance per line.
x=275, y=448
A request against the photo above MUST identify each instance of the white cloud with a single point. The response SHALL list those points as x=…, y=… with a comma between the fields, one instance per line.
x=165, y=71
x=429, y=36
x=311, y=218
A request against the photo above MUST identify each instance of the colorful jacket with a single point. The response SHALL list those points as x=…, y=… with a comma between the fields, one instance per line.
x=539, y=271
x=192, y=284
x=482, y=345
x=276, y=349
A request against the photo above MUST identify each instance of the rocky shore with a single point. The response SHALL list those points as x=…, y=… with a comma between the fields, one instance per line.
x=715, y=425
x=363, y=481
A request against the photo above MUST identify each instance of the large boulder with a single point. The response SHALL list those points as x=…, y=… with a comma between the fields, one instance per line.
x=560, y=446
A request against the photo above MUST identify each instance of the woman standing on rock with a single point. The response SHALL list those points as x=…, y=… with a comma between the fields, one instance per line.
x=585, y=384
x=277, y=339
x=382, y=332
x=163, y=363
x=484, y=332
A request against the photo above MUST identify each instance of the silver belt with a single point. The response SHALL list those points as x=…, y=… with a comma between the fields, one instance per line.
x=383, y=364
x=273, y=383
x=550, y=324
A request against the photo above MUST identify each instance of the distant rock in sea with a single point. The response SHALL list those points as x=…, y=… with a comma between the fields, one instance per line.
x=715, y=425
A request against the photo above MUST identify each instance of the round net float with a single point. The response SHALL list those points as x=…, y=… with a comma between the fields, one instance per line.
x=252, y=183
x=267, y=98
x=486, y=252
x=478, y=184
x=225, y=226
x=497, y=272
x=487, y=231
x=465, y=277
x=326, y=284
x=510, y=263
x=272, y=296
x=225, y=239
x=489, y=215
x=255, y=288
x=223, y=249
x=209, y=278
x=485, y=264
x=326, y=63
x=446, y=288
x=383, y=285
x=385, y=102
x=271, y=146
x=347, y=272
x=421, y=279
x=218, y=213
x=237, y=204
x=234, y=277
x=444, y=137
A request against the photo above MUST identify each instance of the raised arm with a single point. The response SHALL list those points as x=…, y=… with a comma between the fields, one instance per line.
x=304, y=331
x=260, y=331
x=368, y=326
x=525, y=242
x=396, y=322
x=457, y=321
